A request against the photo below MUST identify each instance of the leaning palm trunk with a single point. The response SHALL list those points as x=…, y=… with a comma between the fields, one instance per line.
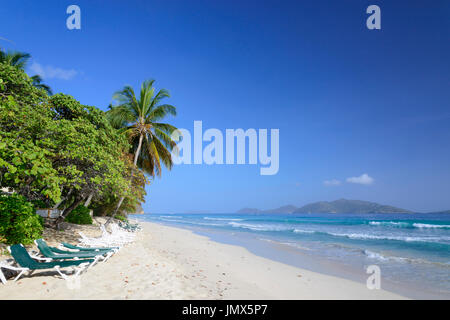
x=136, y=156
x=89, y=199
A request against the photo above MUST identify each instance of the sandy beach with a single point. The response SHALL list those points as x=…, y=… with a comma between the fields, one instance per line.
x=172, y=263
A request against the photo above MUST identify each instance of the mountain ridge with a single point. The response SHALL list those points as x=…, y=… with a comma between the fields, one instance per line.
x=337, y=206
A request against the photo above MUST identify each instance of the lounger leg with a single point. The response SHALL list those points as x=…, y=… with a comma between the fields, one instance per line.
x=108, y=255
x=2, y=277
x=21, y=271
x=60, y=273
x=94, y=262
x=19, y=275
x=80, y=269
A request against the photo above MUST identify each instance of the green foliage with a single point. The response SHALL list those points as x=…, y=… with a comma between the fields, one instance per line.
x=20, y=60
x=54, y=150
x=53, y=147
x=41, y=220
x=39, y=204
x=121, y=218
x=19, y=222
x=80, y=215
x=25, y=163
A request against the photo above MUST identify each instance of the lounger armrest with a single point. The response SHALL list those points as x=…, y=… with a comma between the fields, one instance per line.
x=36, y=257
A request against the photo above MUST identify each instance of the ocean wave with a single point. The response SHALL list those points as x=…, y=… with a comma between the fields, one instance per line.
x=391, y=223
x=362, y=236
x=193, y=223
x=375, y=255
x=403, y=224
x=290, y=244
x=259, y=227
x=222, y=219
x=426, y=225
x=179, y=217
x=380, y=257
x=304, y=231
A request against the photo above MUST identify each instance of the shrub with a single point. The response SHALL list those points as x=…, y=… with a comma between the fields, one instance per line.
x=80, y=215
x=19, y=222
x=39, y=204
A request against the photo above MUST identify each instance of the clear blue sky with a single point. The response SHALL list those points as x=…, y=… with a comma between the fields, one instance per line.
x=347, y=100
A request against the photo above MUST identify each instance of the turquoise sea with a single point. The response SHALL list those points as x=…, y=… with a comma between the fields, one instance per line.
x=412, y=250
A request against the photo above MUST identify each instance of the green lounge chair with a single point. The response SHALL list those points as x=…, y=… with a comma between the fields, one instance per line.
x=49, y=252
x=28, y=264
x=71, y=246
x=129, y=227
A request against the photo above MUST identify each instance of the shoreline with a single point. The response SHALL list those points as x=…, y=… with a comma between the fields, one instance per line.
x=277, y=251
x=174, y=263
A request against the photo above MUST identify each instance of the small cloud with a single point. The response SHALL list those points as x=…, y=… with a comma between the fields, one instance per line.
x=331, y=183
x=362, y=179
x=50, y=72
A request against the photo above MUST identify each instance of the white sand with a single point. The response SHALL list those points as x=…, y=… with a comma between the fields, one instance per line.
x=171, y=263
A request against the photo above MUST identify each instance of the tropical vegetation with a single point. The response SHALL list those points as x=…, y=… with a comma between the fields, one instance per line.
x=58, y=153
x=139, y=119
x=18, y=221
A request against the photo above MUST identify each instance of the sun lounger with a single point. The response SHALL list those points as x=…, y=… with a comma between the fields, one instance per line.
x=57, y=254
x=28, y=264
x=72, y=247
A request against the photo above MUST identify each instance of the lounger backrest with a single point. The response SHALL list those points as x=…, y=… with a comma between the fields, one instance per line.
x=68, y=245
x=44, y=248
x=20, y=254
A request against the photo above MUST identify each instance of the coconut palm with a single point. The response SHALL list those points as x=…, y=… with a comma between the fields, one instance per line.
x=37, y=82
x=20, y=60
x=138, y=118
x=15, y=58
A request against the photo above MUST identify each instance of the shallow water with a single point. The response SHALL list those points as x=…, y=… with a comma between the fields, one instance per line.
x=412, y=250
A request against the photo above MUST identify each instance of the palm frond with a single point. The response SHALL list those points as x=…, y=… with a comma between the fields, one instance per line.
x=37, y=82
x=134, y=117
x=120, y=116
x=15, y=58
x=162, y=111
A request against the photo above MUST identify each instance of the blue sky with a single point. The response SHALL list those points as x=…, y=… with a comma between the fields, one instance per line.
x=347, y=100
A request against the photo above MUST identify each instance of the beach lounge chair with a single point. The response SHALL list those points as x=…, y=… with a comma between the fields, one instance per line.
x=72, y=247
x=28, y=264
x=117, y=237
x=57, y=254
x=129, y=227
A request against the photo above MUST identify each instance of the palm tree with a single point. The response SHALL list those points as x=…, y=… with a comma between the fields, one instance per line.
x=150, y=140
x=15, y=58
x=37, y=82
x=20, y=60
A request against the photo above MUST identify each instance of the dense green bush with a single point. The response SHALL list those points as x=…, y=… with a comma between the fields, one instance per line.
x=80, y=215
x=19, y=222
x=39, y=204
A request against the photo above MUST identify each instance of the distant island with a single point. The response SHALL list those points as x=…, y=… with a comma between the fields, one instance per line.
x=337, y=206
x=447, y=212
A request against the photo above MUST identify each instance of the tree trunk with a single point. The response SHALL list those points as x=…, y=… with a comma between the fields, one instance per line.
x=136, y=156
x=138, y=151
x=68, y=210
x=88, y=201
x=62, y=199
